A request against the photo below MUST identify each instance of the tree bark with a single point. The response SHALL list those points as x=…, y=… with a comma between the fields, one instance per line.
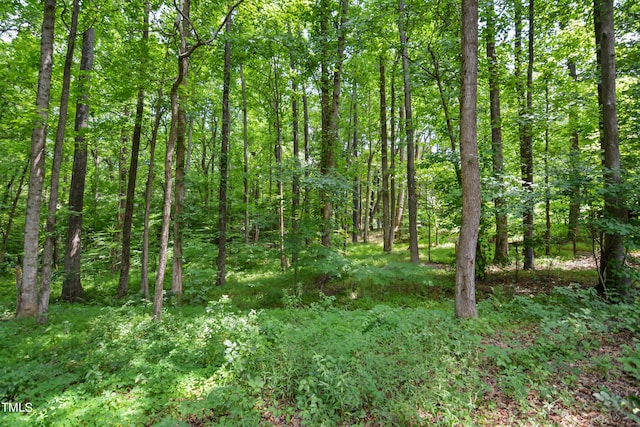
x=574, y=154
x=27, y=301
x=386, y=216
x=50, y=236
x=612, y=258
x=295, y=185
x=12, y=213
x=465, y=300
x=411, y=180
x=144, y=280
x=125, y=263
x=224, y=163
x=245, y=155
x=501, y=255
x=331, y=74
x=72, y=286
x=181, y=133
x=526, y=152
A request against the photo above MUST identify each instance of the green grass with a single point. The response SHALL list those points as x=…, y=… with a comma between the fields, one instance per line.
x=378, y=346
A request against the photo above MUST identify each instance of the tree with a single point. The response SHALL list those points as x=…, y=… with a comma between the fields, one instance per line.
x=28, y=291
x=611, y=271
x=123, y=285
x=221, y=263
x=386, y=215
x=50, y=236
x=465, y=300
x=501, y=255
x=330, y=77
x=72, y=285
x=409, y=129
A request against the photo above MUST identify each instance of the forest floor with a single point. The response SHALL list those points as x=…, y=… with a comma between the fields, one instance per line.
x=363, y=339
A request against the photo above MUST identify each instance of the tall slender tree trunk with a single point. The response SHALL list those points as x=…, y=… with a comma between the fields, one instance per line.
x=386, y=215
x=465, y=300
x=125, y=263
x=181, y=147
x=547, y=193
x=284, y=263
x=72, y=287
x=12, y=214
x=526, y=152
x=144, y=280
x=501, y=255
x=574, y=154
x=123, y=172
x=331, y=74
x=612, y=258
x=392, y=154
x=168, y=177
x=27, y=300
x=356, y=214
x=295, y=184
x=224, y=162
x=50, y=236
x=245, y=155
x=411, y=179
x=445, y=109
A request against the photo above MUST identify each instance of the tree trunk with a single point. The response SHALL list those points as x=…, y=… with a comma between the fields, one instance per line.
x=50, y=236
x=547, y=194
x=501, y=255
x=245, y=155
x=295, y=185
x=445, y=109
x=356, y=214
x=144, y=280
x=411, y=179
x=27, y=300
x=284, y=262
x=125, y=263
x=181, y=147
x=122, y=196
x=224, y=162
x=392, y=153
x=465, y=300
x=330, y=98
x=574, y=154
x=72, y=287
x=526, y=153
x=612, y=259
x=386, y=217
x=12, y=212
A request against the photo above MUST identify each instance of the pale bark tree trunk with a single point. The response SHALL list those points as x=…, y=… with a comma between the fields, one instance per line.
x=501, y=255
x=27, y=300
x=612, y=258
x=72, y=286
x=181, y=132
x=224, y=163
x=411, y=179
x=386, y=216
x=465, y=300
x=125, y=262
x=284, y=262
x=50, y=237
x=392, y=153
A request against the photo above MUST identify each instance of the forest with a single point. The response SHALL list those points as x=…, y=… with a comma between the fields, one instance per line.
x=319, y=213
